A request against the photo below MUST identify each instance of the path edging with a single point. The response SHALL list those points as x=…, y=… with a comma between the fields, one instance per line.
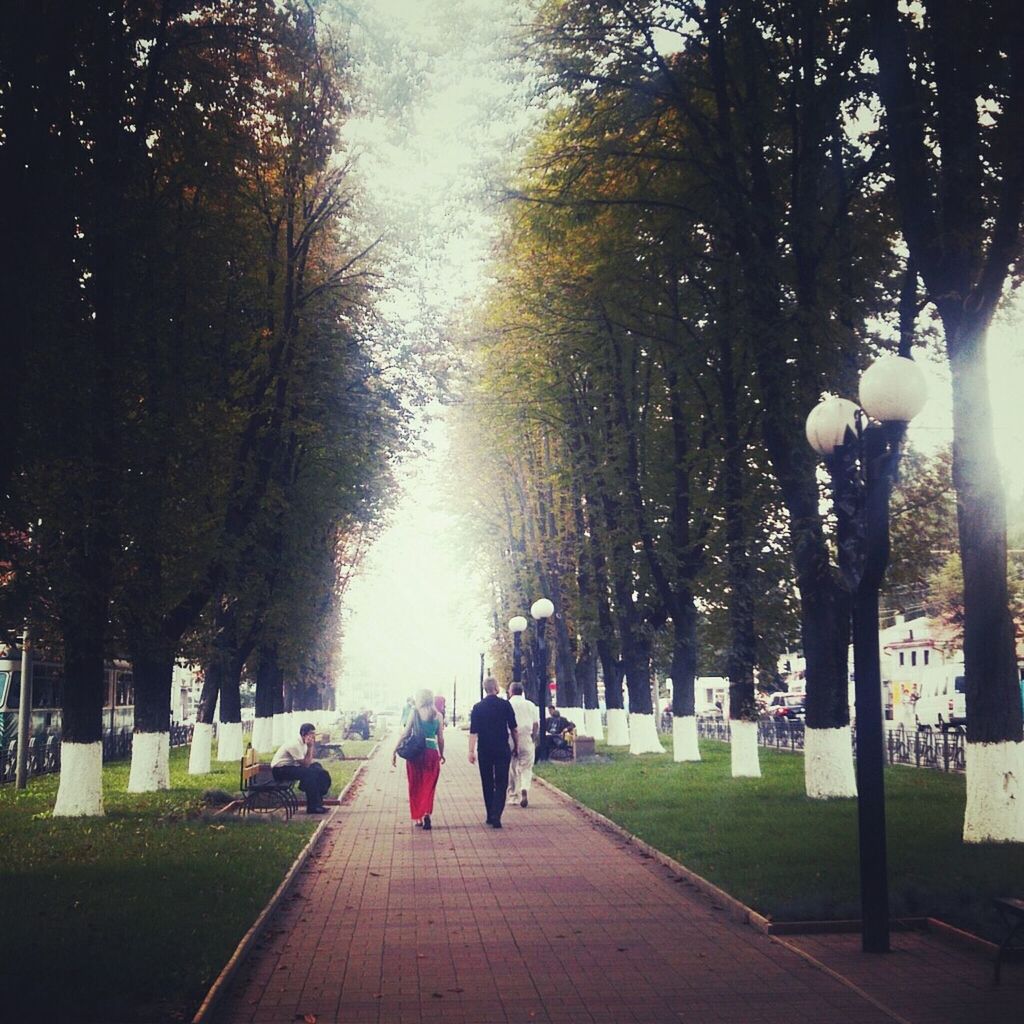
x=228, y=971
x=739, y=911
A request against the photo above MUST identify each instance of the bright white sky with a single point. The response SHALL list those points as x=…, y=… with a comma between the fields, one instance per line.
x=442, y=117
x=443, y=111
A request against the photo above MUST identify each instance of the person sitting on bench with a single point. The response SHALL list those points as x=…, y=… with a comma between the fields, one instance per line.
x=556, y=727
x=295, y=761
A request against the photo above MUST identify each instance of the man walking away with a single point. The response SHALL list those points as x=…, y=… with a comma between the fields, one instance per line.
x=295, y=761
x=528, y=727
x=492, y=723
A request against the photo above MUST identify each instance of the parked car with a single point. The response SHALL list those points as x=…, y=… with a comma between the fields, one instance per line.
x=787, y=705
x=942, y=699
x=710, y=711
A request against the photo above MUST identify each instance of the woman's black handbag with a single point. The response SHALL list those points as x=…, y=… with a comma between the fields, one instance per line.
x=411, y=747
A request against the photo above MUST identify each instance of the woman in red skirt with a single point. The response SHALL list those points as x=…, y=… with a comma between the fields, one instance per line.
x=424, y=771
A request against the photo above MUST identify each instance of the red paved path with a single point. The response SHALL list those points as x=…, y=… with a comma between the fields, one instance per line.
x=554, y=919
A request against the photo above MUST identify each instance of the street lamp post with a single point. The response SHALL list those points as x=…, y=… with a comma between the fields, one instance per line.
x=542, y=610
x=516, y=625
x=861, y=448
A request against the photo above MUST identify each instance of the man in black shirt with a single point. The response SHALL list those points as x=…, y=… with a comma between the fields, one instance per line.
x=491, y=722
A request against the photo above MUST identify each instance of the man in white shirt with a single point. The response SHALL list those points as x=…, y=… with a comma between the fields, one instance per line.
x=527, y=715
x=295, y=761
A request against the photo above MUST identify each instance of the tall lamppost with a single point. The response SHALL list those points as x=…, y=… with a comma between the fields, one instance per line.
x=516, y=625
x=861, y=448
x=542, y=610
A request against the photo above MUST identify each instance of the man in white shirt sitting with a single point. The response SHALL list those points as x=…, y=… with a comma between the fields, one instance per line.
x=295, y=761
x=520, y=777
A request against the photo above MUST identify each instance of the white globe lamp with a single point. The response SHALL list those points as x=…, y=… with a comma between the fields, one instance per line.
x=517, y=624
x=828, y=422
x=893, y=388
x=542, y=609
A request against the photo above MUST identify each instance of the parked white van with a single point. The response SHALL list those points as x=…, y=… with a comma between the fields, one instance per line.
x=942, y=697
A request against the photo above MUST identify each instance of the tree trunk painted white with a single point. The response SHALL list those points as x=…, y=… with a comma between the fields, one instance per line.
x=199, y=752
x=263, y=734
x=684, y=739
x=592, y=720
x=80, y=791
x=151, y=770
x=618, y=728
x=995, y=793
x=278, y=737
x=576, y=716
x=743, y=745
x=643, y=735
x=229, y=741
x=828, y=763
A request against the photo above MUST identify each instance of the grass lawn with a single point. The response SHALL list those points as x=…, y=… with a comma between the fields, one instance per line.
x=792, y=858
x=130, y=917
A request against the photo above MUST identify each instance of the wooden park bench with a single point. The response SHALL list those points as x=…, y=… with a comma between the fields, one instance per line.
x=261, y=791
x=1012, y=913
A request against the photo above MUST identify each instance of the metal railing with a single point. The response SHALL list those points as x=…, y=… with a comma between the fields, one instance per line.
x=44, y=750
x=926, y=747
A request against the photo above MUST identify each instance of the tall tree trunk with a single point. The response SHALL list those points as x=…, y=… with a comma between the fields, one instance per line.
x=684, y=675
x=754, y=216
x=202, y=733
x=742, y=652
x=230, y=745
x=80, y=792
x=586, y=677
x=636, y=659
x=568, y=692
x=152, y=673
x=960, y=206
x=268, y=695
x=995, y=751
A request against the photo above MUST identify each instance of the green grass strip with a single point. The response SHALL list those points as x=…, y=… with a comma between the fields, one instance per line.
x=792, y=858
x=130, y=917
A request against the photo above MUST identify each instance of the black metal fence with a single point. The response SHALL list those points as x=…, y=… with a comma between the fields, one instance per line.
x=926, y=747
x=44, y=750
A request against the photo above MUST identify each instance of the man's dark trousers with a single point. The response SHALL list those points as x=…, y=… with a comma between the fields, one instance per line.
x=314, y=781
x=494, y=782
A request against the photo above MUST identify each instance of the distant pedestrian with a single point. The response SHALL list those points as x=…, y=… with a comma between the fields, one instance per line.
x=492, y=722
x=423, y=772
x=295, y=761
x=440, y=703
x=407, y=711
x=528, y=728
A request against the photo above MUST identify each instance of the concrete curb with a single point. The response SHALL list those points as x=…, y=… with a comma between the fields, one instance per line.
x=223, y=980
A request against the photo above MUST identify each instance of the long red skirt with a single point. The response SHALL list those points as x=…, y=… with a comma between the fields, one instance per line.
x=423, y=774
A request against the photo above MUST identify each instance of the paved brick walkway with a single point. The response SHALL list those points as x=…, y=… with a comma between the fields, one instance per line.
x=552, y=919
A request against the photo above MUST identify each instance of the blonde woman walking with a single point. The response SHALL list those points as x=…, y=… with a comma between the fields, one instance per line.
x=424, y=771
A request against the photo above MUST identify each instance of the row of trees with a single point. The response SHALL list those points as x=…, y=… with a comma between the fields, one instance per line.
x=731, y=210
x=198, y=424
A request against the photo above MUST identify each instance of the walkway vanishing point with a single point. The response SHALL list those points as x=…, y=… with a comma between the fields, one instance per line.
x=557, y=920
